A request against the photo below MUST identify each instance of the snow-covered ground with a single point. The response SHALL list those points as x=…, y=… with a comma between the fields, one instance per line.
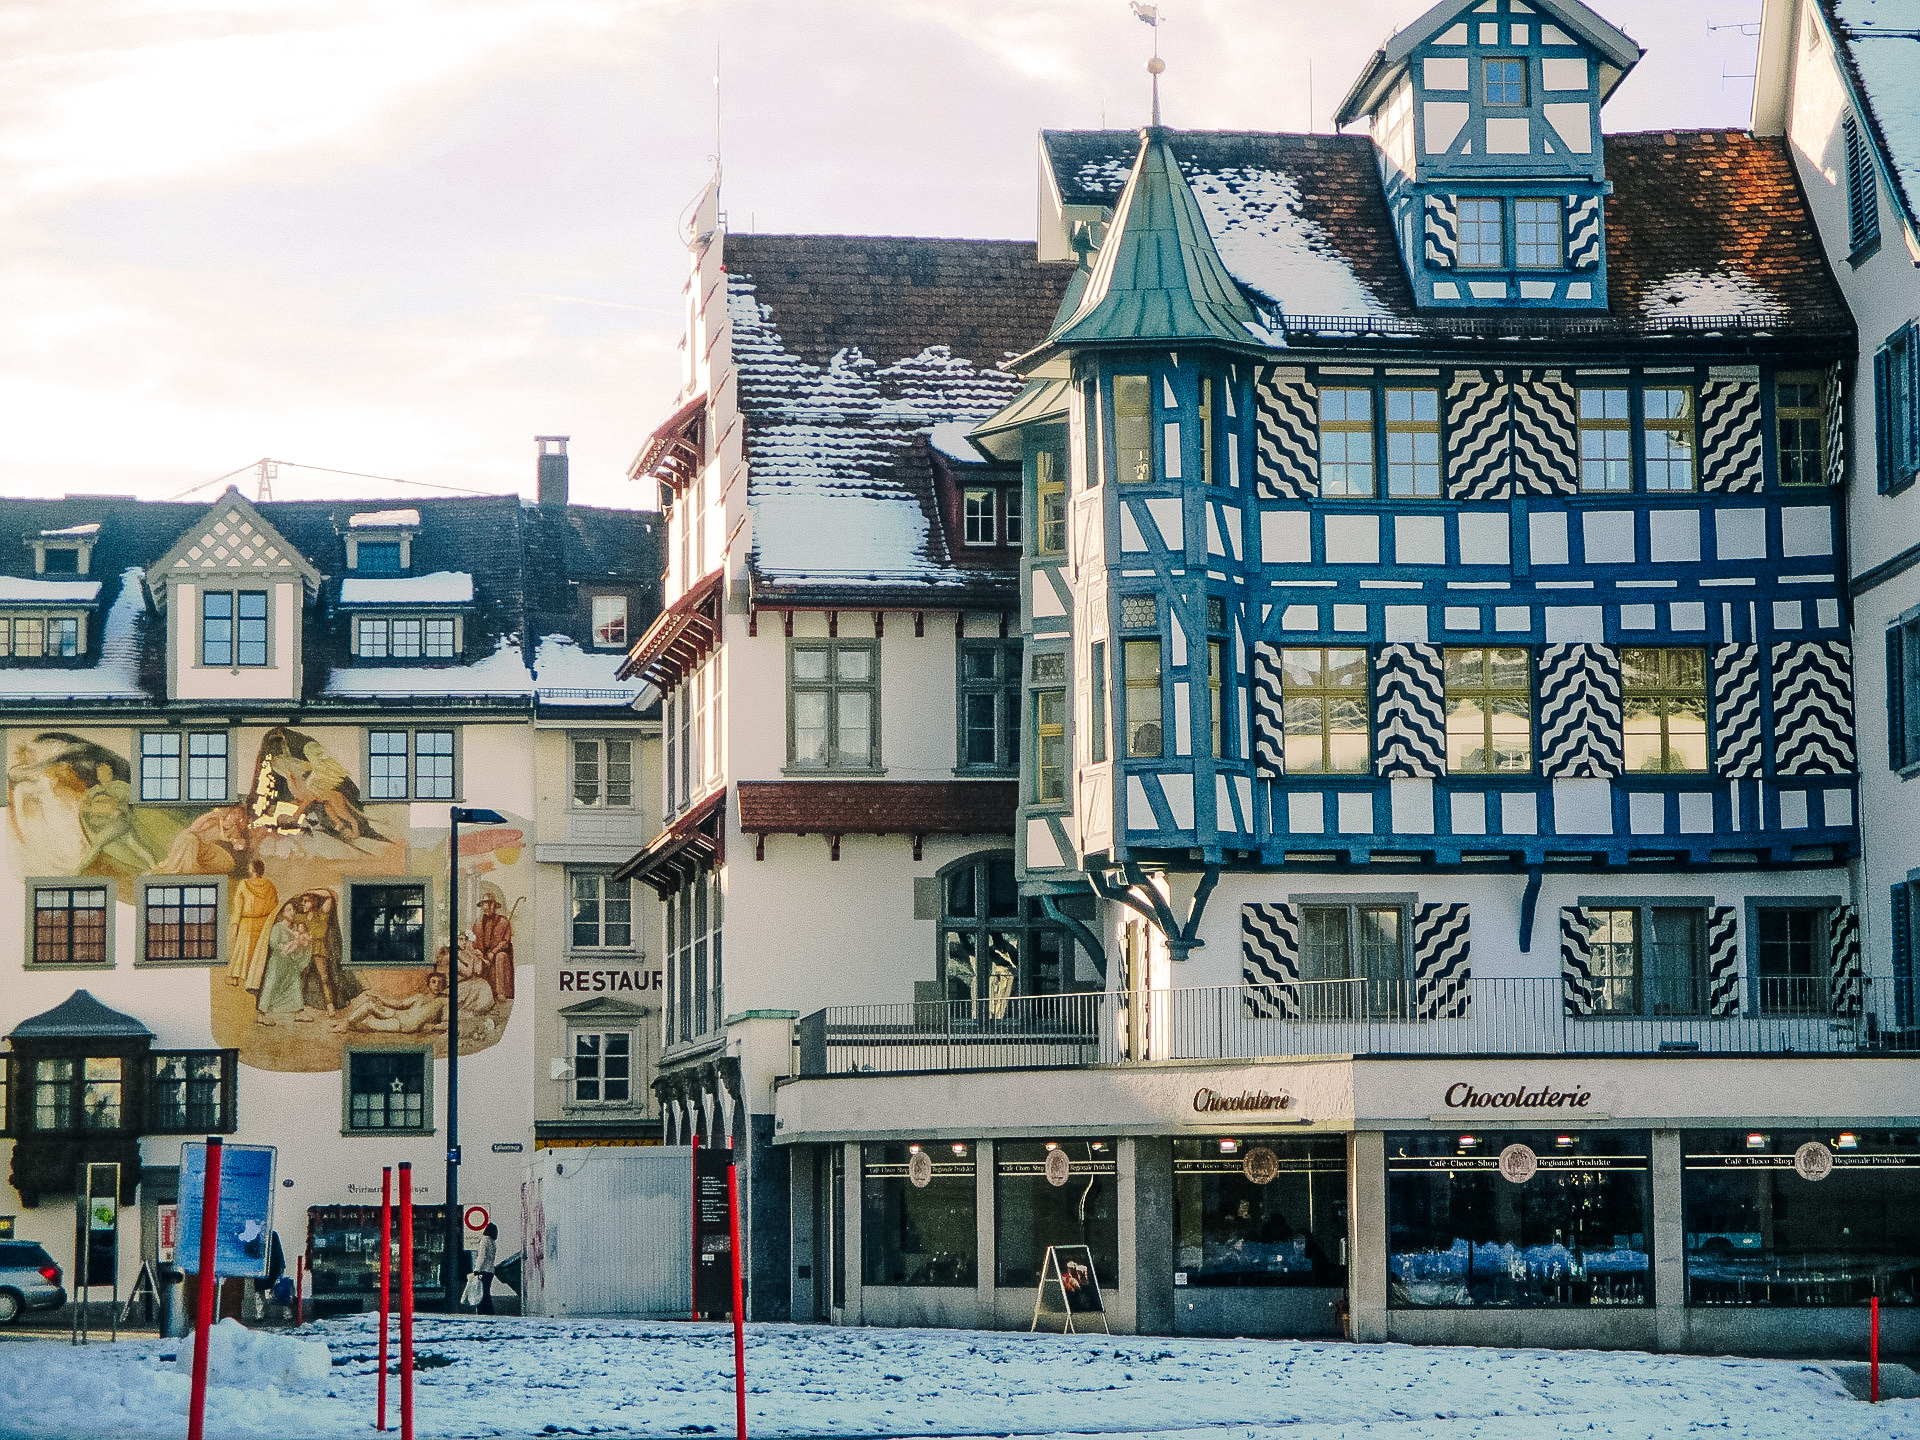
x=534, y=1377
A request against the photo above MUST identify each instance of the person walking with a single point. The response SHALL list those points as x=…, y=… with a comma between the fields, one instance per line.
x=484, y=1264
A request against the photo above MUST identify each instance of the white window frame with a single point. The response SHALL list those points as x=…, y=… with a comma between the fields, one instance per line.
x=979, y=512
x=606, y=877
x=575, y=1034
x=594, y=610
x=356, y=637
x=412, y=789
x=46, y=621
x=183, y=790
x=602, y=805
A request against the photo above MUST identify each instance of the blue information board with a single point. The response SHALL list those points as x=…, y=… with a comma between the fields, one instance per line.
x=244, y=1227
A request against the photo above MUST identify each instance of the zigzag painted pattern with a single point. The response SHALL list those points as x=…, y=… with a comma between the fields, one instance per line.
x=1580, y=992
x=1410, y=712
x=1269, y=713
x=1736, y=710
x=1723, y=961
x=1846, y=977
x=1479, y=445
x=1580, y=712
x=1442, y=961
x=1286, y=439
x=1583, y=232
x=1442, y=232
x=1813, y=708
x=1730, y=431
x=1546, y=435
x=1270, y=961
x=1835, y=446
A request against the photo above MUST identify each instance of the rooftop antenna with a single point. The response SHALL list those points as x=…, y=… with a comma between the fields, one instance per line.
x=265, y=472
x=1149, y=15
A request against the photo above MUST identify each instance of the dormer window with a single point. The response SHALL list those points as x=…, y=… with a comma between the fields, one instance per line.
x=610, y=622
x=67, y=551
x=406, y=637
x=40, y=637
x=378, y=557
x=380, y=542
x=1537, y=234
x=1483, y=241
x=63, y=560
x=1505, y=82
x=979, y=509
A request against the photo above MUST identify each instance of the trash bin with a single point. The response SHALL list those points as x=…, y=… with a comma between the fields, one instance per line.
x=173, y=1301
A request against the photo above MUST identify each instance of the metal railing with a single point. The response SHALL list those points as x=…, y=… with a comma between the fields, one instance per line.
x=1496, y=1016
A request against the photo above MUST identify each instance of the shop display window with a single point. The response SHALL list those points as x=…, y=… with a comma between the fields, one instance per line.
x=1518, y=1219
x=1260, y=1211
x=1038, y=1202
x=1802, y=1217
x=343, y=1250
x=917, y=1217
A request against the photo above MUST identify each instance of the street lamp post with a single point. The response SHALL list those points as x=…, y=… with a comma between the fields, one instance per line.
x=451, y=1264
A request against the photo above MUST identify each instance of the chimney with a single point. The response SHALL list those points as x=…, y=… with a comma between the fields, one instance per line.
x=553, y=469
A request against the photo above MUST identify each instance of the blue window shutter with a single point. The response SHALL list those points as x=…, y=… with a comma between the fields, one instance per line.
x=1906, y=444
x=1863, y=200
x=1882, y=433
x=1902, y=932
x=1895, y=686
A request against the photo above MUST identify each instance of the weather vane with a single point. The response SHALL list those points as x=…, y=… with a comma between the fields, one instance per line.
x=1149, y=15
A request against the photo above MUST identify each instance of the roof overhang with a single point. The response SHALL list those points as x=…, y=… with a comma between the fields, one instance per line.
x=999, y=434
x=672, y=454
x=694, y=842
x=878, y=807
x=679, y=638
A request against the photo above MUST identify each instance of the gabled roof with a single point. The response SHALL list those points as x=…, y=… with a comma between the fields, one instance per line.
x=1878, y=43
x=1615, y=44
x=80, y=1017
x=231, y=535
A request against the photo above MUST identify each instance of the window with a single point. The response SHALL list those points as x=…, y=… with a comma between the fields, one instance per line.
x=1216, y=689
x=1896, y=413
x=610, y=622
x=1903, y=692
x=406, y=638
x=1031, y=1212
x=410, y=765
x=1505, y=82
x=1489, y=712
x=1139, y=612
x=1863, y=198
x=1097, y=741
x=1800, y=422
x=1413, y=443
x=990, y=704
x=40, y=637
x=1346, y=441
x=1791, y=955
x=1324, y=711
x=71, y=925
x=181, y=924
x=602, y=774
x=78, y=1092
x=1667, y=432
x=1666, y=709
x=995, y=943
x=377, y=557
x=1133, y=428
x=233, y=627
x=833, y=704
x=1354, y=957
x=60, y=560
x=387, y=1091
x=1231, y=1229
x=1050, y=742
x=918, y=1201
x=602, y=1067
x=1537, y=234
x=1013, y=516
x=1204, y=413
x=978, y=514
x=693, y=932
x=387, y=922
x=1606, y=441
x=1648, y=960
x=1144, y=722
x=1483, y=241
x=602, y=911
x=189, y=1092
x=1050, y=485
x=206, y=768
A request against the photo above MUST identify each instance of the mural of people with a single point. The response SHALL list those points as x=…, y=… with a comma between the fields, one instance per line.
x=70, y=808
x=215, y=844
x=419, y=1014
x=289, y=948
x=106, y=817
x=299, y=788
x=302, y=974
x=493, y=939
x=253, y=903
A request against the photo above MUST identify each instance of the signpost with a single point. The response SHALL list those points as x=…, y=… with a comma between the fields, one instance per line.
x=244, y=1221
x=1069, y=1298
x=386, y=1281
x=739, y=1306
x=713, y=1246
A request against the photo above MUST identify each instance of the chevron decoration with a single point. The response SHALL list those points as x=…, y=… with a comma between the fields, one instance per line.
x=1813, y=708
x=1479, y=445
x=1443, y=232
x=1546, y=440
x=1730, y=431
x=1833, y=400
x=1269, y=713
x=1580, y=712
x=1270, y=961
x=1846, y=977
x=1286, y=438
x=1736, y=710
x=1442, y=961
x=1723, y=961
x=1584, y=232
x=1580, y=992
x=1410, y=721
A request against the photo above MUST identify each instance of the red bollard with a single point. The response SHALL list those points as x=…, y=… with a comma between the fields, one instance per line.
x=209, y=1286
x=693, y=1291
x=406, y=1300
x=1873, y=1365
x=299, y=1288
x=739, y=1310
x=386, y=1280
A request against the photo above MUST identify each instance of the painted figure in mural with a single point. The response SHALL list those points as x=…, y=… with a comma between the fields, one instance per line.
x=493, y=939
x=298, y=787
x=289, y=949
x=416, y=1015
x=254, y=901
x=302, y=974
x=106, y=818
x=328, y=984
x=215, y=844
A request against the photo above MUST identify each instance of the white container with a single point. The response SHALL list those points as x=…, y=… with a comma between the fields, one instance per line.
x=608, y=1231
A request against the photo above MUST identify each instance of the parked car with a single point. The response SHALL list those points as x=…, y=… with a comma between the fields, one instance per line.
x=29, y=1280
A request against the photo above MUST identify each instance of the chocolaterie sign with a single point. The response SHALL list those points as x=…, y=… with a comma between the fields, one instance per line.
x=1462, y=1096
x=1215, y=1102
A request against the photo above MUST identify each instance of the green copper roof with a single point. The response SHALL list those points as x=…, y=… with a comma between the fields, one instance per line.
x=1158, y=277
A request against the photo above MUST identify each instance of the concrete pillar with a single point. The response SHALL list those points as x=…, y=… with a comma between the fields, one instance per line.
x=855, y=1312
x=806, y=1262
x=985, y=1316
x=1367, y=1237
x=1151, y=1255
x=1668, y=1241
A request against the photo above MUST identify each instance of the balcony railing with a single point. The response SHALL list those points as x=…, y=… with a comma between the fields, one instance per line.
x=1518, y=1016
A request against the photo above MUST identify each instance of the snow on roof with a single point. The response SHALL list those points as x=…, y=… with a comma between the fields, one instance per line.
x=1269, y=246
x=565, y=674
x=73, y=531
x=442, y=587
x=17, y=590
x=383, y=519
x=502, y=673
x=1879, y=38
x=115, y=677
x=949, y=437
x=1724, y=292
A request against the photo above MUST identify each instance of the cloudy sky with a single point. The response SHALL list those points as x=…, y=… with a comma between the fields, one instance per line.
x=401, y=237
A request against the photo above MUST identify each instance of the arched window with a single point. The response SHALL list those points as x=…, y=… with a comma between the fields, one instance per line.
x=994, y=943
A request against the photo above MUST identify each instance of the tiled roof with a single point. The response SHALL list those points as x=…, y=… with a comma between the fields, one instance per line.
x=79, y=1016
x=877, y=807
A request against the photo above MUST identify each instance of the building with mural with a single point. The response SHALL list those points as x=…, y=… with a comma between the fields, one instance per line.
x=1434, y=906
x=233, y=735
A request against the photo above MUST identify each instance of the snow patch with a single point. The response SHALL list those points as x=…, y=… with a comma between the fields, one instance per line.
x=1890, y=72
x=949, y=437
x=502, y=673
x=19, y=590
x=1688, y=293
x=71, y=531
x=253, y=1359
x=560, y=665
x=442, y=587
x=1269, y=245
x=384, y=520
